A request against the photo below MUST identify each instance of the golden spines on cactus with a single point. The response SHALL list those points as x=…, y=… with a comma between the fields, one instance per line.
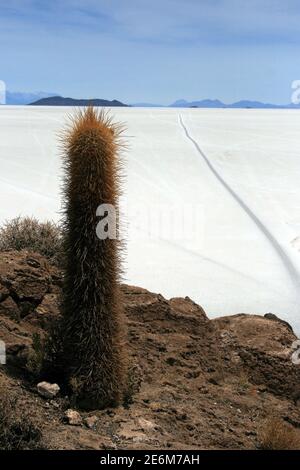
x=93, y=320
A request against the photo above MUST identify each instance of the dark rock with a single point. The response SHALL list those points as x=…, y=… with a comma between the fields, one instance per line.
x=272, y=316
x=9, y=308
x=4, y=292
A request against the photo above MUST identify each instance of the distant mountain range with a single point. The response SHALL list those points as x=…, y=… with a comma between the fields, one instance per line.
x=239, y=104
x=61, y=101
x=52, y=99
x=248, y=104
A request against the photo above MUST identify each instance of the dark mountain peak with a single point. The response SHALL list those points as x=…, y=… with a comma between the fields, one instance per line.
x=61, y=101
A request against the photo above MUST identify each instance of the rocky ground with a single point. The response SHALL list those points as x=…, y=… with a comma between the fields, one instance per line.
x=198, y=383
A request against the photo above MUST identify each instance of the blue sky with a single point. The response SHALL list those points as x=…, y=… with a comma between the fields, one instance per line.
x=152, y=50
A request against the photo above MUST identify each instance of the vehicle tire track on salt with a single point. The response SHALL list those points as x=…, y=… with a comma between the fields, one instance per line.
x=287, y=262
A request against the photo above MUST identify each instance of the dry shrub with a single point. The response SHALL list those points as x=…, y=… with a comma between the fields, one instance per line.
x=243, y=383
x=36, y=356
x=45, y=358
x=30, y=234
x=276, y=434
x=17, y=429
x=134, y=382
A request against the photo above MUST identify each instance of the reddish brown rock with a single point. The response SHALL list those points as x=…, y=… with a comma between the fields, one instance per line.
x=194, y=383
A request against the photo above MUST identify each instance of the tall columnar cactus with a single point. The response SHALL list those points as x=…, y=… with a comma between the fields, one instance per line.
x=93, y=323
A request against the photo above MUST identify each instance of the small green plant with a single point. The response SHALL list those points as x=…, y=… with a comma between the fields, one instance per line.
x=53, y=363
x=45, y=358
x=30, y=234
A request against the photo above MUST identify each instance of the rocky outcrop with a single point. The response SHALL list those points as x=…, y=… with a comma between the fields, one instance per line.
x=29, y=292
x=193, y=383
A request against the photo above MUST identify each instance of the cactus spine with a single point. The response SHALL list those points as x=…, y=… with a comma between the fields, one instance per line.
x=93, y=323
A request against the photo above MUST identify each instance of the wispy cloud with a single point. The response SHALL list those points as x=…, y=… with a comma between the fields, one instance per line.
x=168, y=20
x=152, y=48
